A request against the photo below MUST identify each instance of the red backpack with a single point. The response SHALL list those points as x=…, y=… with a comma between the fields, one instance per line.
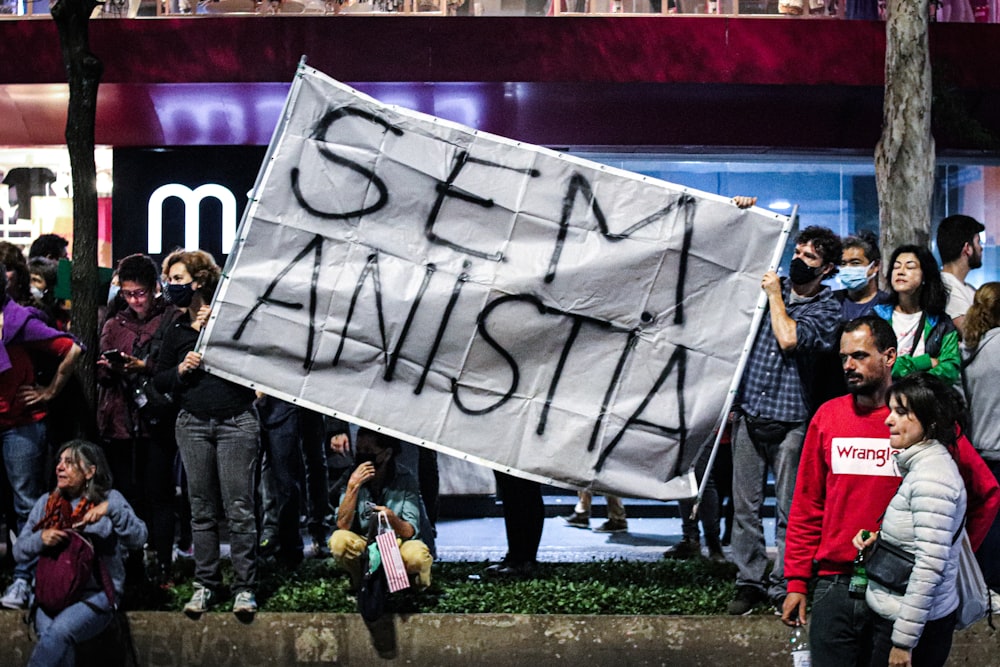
x=63, y=573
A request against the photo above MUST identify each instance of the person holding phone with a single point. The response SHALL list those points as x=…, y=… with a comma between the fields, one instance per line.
x=140, y=450
x=378, y=484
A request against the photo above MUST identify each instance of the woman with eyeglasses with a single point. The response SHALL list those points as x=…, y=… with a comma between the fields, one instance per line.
x=139, y=446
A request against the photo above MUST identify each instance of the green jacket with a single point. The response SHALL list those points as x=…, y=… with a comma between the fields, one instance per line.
x=940, y=342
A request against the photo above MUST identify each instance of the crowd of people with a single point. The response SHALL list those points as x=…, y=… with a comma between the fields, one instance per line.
x=891, y=459
x=182, y=457
x=870, y=407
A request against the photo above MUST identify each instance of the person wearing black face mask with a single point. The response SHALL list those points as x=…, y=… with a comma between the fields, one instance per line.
x=801, y=273
x=218, y=435
x=774, y=406
x=180, y=294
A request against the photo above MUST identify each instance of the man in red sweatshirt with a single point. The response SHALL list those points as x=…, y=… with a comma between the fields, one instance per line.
x=845, y=480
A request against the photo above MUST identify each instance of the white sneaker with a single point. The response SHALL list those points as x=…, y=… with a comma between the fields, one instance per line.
x=994, y=601
x=199, y=602
x=245, y=603
x=17, y=595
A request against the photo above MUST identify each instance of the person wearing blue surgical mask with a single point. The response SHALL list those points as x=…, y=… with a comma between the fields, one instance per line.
x=859, y=268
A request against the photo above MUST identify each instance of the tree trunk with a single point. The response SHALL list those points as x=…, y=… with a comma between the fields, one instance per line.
x=904, y=157
x=83, y=71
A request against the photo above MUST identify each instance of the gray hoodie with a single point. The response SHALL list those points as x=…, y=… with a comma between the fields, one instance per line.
x=981, y=370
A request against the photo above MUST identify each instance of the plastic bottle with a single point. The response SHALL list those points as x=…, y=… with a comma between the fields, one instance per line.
x=799, y=643
x=859, y=576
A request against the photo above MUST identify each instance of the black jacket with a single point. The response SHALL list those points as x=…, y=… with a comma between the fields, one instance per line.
x=202, y=394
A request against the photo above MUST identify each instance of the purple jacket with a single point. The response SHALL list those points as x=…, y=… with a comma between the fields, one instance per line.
x=116, y=412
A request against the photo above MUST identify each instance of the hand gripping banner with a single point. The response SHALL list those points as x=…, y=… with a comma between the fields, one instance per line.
x=530, y=311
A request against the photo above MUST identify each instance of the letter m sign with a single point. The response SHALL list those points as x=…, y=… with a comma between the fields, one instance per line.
x=192, y=201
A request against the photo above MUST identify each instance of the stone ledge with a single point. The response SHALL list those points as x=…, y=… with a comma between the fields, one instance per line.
x=443, y=640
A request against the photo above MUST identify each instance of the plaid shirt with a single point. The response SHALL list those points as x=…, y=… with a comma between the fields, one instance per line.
x=775, y=383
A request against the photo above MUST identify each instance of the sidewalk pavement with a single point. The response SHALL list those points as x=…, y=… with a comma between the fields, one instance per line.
x=647, y=538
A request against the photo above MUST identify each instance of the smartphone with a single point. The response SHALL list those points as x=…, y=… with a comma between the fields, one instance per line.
x=115, y=357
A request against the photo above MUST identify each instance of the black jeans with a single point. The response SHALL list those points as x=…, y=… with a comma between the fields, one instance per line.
x=931, y=651
x=708, y=511
x=523, y=517
x=988, y=554
x=840, y=627
x=142, y=470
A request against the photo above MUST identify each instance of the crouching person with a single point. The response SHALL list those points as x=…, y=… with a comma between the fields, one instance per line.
x=82, y=502
x=378, y=484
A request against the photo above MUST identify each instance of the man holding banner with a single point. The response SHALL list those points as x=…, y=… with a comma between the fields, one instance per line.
x=774, y=407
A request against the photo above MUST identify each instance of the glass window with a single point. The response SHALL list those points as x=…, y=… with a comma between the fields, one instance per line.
x=835, y=192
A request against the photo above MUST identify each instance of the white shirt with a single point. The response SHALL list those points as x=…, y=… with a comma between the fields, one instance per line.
x=960, y=295
x=905, y=325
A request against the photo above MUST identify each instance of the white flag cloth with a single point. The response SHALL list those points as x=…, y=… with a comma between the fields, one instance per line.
x=544, y=315
x=392, y=560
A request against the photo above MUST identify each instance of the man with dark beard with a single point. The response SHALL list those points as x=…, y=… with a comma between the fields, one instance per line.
x=378, y=485
x=774, y=404
x=961, y=252
x=845, y=480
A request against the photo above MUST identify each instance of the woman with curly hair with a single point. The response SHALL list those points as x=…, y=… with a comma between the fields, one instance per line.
x=981, y=363
x=218, y=435
x=928, y=340
x=18, y=275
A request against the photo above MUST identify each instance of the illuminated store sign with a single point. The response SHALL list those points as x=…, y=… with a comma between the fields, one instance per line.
x=192, y=216
x=187, y=197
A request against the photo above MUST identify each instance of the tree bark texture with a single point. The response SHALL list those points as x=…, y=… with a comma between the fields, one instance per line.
x=83, y=72
x=904, y=157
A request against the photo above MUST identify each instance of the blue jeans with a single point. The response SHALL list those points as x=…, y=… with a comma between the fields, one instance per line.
x=751, y=461
x=840, y=627
x=24, y=463
x=220, y=457
x=281, y=474
x=58, y=637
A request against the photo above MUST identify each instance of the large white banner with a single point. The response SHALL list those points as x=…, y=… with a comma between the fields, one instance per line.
x=537, y=313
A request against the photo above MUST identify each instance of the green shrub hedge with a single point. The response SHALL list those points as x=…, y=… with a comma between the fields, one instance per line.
x=698, y=587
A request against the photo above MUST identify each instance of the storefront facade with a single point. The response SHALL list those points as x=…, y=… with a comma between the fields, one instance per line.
x=789, y=110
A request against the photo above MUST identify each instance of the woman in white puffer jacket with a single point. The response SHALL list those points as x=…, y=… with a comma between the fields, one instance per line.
x=923, y=517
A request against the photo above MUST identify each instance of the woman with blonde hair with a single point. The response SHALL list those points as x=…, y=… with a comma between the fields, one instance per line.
x=980, y=366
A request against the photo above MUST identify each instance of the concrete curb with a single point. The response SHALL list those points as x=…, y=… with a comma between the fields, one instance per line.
x=443, y=640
